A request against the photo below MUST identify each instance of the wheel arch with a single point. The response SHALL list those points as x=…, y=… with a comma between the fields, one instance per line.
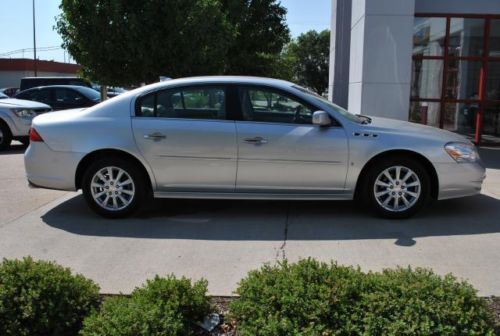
x=431, y=170
x=87, y=160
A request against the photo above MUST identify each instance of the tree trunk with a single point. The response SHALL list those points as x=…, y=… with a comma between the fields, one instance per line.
x=104, y=92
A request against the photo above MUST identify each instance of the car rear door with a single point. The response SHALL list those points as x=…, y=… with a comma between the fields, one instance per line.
x=188, y=139
x=281, y=151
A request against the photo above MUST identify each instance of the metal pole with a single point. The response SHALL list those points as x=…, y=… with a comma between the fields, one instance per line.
x=34, y=42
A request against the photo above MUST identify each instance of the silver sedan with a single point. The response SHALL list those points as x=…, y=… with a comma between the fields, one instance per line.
x=245, y=138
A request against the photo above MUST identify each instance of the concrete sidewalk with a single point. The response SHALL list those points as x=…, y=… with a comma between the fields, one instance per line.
x=222, y=240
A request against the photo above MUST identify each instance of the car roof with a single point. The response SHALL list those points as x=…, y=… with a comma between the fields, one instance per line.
x=223, y=80
x=76, y=87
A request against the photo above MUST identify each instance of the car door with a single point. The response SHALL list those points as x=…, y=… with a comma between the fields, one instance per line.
x=187, y=138
x=281, y=151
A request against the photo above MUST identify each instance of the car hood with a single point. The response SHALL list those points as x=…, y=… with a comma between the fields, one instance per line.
x=20, y=103
x=408, y=128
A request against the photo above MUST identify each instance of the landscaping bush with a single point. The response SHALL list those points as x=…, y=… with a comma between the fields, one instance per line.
x=164, y=306
x=312, y=298
x=42, y=298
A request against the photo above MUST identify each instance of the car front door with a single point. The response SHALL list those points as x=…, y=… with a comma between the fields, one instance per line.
x=187, y=138
x=281, y=151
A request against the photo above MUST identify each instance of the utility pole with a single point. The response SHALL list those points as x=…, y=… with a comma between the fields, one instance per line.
x=34, y=42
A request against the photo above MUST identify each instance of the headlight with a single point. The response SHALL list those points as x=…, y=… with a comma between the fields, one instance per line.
x=462, y=152
x=24, y=113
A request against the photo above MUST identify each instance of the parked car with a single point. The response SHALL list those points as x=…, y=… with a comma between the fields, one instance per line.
x=31, y=82
x=245, y=138
x=9, y=91
x=62, y=97
x=112, y=90
x=15, y=119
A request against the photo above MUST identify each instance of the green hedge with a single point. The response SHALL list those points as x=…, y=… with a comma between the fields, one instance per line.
x=164, y=306
x=312, y=298
x=42, y=298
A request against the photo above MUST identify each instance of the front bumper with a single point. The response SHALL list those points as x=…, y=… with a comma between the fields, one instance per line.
x=460, y=179
x=46, y=168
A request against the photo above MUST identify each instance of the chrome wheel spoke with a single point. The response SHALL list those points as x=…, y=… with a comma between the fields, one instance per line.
x=107, y=190
x=391, y=189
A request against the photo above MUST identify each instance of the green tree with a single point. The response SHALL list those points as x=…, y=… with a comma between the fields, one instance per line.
x=128, y=42
x=309, y=55
x=261, y=33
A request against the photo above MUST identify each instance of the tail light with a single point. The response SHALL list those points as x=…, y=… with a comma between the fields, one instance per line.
x=34, y=136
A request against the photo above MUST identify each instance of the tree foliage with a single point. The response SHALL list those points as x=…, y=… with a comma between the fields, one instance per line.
x=261, y=33
x=309, y=57
x=127, y=42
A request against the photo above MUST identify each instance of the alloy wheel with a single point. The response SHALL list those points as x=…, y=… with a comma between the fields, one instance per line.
x=112, y=188
x=397, y=188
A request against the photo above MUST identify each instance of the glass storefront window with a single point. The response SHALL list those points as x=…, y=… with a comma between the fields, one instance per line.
x=495, y=38
x=463, y=80
x=493, y=81
x=428, y=36
x=466, y=37
x=491, y=123
x=460, y=117
x=426, y=113
x=427, y=76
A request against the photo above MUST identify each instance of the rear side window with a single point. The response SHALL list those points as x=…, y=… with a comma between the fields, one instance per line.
x=203, y=102
x=67, y=96
x=42, y=96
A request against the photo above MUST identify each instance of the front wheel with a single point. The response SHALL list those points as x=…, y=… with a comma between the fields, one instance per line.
x=397, y=188
x=113, y=187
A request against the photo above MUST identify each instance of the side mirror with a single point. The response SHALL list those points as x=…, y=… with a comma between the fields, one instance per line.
x=321, y=118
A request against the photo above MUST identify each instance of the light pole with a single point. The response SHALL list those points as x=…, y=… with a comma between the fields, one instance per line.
x=34, y=42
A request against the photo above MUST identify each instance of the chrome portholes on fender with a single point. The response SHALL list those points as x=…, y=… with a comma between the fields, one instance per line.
x=397, y=188
x=112, y=188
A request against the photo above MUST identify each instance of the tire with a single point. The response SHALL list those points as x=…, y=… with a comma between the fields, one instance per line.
x=5, y=136
x=118, y=197
x=397, y=197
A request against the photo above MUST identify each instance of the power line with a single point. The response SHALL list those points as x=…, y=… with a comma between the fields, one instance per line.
x=27, y=50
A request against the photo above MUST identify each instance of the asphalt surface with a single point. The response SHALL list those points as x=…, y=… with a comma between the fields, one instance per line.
x=222, y=240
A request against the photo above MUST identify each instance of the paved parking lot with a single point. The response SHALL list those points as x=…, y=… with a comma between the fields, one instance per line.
x=222, y=240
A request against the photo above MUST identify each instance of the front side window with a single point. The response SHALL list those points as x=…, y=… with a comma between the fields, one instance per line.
x=186, y=103
x=68, y=97
x=42, y=96
x=267, y=105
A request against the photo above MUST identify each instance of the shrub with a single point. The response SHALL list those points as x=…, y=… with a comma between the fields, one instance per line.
x=164, y=306
x=42, y=298
x=312, y=298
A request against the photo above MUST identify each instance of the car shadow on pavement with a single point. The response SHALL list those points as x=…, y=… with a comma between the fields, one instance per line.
x=14, y=149
x=272, y=220
x=490, y=157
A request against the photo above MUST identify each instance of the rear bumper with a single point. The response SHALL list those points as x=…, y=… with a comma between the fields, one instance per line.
x=460, y=179
x=46, y=168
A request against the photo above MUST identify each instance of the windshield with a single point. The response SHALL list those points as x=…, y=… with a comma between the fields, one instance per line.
x=3, y=96
x=352, y=117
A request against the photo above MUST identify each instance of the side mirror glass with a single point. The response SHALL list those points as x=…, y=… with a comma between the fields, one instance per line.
x=321, y=118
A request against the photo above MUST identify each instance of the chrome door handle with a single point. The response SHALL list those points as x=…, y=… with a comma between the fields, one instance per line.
x=155, y=136
x=256, y=140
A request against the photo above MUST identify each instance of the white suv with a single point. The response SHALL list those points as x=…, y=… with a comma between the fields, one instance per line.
x=15, y=119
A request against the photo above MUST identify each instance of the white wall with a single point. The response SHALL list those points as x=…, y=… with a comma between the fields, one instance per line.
x=13, y=78
x=380, y=57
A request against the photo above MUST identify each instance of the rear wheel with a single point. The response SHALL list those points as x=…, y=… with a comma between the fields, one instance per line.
x=114, y=187
x=397, y=188
x=5, y=136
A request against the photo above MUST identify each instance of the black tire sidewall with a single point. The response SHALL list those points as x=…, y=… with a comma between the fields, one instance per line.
x=7, y=136
x=379, y=167
x=135, y=174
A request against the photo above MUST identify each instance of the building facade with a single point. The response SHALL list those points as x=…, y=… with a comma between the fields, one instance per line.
x=435, y=62
x=13, y=69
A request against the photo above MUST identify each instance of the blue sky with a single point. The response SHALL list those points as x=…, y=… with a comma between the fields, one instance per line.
x=16, y=23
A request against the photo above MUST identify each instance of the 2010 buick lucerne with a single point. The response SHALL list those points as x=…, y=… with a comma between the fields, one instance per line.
x=245, y=138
